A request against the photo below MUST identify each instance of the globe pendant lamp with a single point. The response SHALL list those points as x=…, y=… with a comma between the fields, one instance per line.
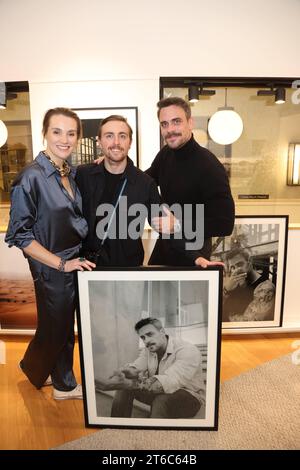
x=3, y=133
x=225, y=126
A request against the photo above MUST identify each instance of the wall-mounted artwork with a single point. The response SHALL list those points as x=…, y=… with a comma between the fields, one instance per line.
x=17, y=297
x=150, y=346
x=91, y=118
x=255, y=261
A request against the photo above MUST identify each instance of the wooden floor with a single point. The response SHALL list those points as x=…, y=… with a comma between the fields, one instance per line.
x=31, y=419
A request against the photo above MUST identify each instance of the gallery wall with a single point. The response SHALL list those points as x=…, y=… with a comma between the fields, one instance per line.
x=101, y=39
x=112, y=53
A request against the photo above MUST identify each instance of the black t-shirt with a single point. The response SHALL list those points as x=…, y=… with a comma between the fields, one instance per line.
x=112, y=187
x=112, y=184
x=98, y=186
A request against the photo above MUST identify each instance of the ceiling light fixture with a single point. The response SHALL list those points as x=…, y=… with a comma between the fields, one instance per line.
x=194, y=92
x=225, y=126
x=279, y=94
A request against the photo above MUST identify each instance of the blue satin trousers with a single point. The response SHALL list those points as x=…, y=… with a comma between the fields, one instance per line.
x=51, y=350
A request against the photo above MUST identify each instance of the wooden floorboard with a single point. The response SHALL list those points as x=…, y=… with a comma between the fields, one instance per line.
x=31, y=419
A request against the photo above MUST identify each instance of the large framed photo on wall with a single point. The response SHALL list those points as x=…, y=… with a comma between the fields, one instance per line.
x=150, y=346
x=17, y=296
x=91, y=118
x=254, y=275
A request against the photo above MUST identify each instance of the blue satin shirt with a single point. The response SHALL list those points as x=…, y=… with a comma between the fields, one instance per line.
x=42, y=210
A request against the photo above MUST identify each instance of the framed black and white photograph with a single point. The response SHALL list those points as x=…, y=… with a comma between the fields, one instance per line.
x=254, y=275
x=150, y=346
x=91, y=118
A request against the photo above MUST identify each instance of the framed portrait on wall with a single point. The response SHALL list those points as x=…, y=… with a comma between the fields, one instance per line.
x=254, y=276
x=87, y=150
x=17, y=296
x=150, y=346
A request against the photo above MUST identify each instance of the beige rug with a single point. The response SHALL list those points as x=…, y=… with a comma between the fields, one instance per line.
x=259, y=409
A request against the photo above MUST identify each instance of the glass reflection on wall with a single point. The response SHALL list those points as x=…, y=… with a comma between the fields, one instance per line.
x=17, y=151
x=257, y=162
x=176, y=303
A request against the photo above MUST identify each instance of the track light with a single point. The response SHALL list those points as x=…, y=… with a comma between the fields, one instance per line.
x=194, y=93
x=279, y=94
x=2, y=95
x=206, y=92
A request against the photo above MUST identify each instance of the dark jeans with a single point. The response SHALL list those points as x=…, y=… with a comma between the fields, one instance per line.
x=180, y=404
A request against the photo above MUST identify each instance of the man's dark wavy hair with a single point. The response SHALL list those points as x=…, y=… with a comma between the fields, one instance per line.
x=148, y=321
x=174, y=101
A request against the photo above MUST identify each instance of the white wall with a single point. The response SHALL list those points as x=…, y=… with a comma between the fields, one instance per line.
x=104, y=39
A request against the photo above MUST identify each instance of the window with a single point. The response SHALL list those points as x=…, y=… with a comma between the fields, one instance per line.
x=257, y=162
x=17, y=151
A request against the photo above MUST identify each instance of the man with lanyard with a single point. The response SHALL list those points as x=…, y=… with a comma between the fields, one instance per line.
x=117, y=184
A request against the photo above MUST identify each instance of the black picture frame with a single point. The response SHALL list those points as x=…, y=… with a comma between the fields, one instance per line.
x=259, y=299
x=87, y=149
x=188, y=303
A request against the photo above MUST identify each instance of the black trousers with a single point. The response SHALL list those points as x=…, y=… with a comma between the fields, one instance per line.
x=180, y=404
x=164, y=253
x=51, y=350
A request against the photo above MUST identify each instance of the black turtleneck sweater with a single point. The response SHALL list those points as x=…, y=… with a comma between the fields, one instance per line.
x=193, y=175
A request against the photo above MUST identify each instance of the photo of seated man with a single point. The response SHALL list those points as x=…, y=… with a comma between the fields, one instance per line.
x=167, y=375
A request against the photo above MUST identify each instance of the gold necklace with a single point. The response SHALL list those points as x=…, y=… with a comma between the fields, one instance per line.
x=64, y=171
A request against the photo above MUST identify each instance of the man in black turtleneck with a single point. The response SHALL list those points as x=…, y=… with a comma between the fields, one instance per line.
x=189, y=174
